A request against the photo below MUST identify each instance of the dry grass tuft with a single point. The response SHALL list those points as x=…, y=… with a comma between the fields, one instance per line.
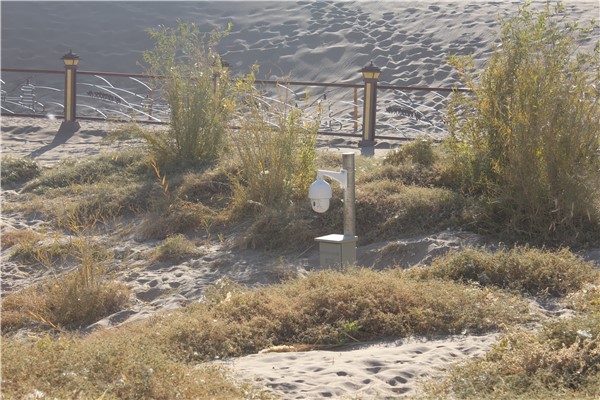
x=330, y=307
x=175, y=248
x=109, y=365
x=68, y=300
x=64, y=302
x=523, y=269
x=156, y=358
x=562, y=361
x=387, y=208
x=180, y=217
x=14, y=237
x=18, y=170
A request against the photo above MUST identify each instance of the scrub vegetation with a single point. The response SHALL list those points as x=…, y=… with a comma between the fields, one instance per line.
x=522, y=164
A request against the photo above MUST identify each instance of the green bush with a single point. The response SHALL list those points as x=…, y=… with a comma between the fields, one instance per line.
x=16, y=170
x=527, y=140
x=199, y=113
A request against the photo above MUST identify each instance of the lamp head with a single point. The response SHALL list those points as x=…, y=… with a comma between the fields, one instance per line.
x=371, y=71
x=70, y=58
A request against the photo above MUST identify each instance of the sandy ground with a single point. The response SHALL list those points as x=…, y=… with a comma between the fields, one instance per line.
x=376, y=370
x=320, y=41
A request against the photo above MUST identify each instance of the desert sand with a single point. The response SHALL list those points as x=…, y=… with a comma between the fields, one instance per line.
x=322, y=41
x=300, y=41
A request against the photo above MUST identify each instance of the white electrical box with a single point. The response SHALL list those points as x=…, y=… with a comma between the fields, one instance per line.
x=337, y=250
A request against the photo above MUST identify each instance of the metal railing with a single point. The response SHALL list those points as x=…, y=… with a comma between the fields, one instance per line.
x=403, y=112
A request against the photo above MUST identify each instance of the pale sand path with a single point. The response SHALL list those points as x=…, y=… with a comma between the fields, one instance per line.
x=380, y=370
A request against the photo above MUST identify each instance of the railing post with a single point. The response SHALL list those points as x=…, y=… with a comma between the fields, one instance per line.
x=371, y=75
x=355, y=109
x=70, y=122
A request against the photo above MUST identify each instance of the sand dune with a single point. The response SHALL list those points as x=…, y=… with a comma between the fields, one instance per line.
x=308, y=41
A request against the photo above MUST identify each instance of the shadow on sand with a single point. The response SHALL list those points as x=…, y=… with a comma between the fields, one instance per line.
x=65, y=132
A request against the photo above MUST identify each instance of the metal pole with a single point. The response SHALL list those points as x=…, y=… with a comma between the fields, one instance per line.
x=349, y=196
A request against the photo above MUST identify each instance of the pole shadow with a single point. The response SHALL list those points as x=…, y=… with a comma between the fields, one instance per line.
x=65, y=132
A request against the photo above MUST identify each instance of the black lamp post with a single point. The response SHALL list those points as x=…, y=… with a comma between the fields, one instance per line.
x=71, y=61
x=371, y=75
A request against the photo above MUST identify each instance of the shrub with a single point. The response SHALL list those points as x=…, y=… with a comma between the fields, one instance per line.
x=275, y=149
x=419, y=152
x=527, y=140
x=18, y=170
x=533, y=271
x=189, y=64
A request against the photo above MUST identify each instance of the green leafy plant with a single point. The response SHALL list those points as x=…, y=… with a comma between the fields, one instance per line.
x=527, y=140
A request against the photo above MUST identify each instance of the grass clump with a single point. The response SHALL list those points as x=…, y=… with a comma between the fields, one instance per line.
x=158, y=358
x=325, y=306
x=387, y=208
x=109, y=365
x=67, y=300
x=523, y=269
x=418, y=152
x=561, y=361
x=18, y=170
x=114, y=168
x=15, y=237
x=527, y=141
x=176, y=247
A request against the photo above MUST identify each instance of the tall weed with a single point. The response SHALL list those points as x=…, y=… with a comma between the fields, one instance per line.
x=188, y=63
x=275, y=149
